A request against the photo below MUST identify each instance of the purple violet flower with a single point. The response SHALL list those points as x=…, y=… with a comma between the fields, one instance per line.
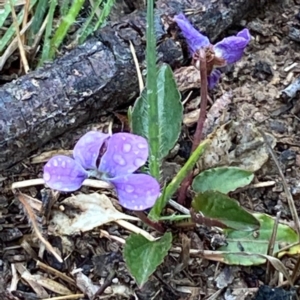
x=227, y=51
x=120, y=155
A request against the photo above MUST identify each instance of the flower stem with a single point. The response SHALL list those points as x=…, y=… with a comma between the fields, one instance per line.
x=198, y=134
x=185, y=170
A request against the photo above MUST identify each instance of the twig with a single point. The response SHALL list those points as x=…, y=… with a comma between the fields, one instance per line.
x=179, y=207
x=199, y=130
x=95, y=183
x=187, y=98
x=135, y=229
x=271, y=245
x=105, y=284
x=104, y=233
x=66, y=297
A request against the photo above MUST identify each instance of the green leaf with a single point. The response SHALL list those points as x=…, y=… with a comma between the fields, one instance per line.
x=223, y=179
x=39, y=14
x=257, y=242
x=169, y=112
x=152, y=97
x=218, y=206
x=142, y=257
x=5, y=12
x=247, y=259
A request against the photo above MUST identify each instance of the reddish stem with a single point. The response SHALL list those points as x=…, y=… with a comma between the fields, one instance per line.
x=155, y=225
x=198, y=134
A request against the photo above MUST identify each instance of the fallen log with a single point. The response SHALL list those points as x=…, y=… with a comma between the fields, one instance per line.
x=97, y=76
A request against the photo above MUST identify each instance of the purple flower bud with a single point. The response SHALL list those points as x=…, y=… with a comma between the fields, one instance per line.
x=229, y=50
x=63, y=173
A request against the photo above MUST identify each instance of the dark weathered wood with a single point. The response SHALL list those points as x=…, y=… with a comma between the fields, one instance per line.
x=99, y=75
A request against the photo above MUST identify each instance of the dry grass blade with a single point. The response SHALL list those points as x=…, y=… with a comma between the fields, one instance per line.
x=51, y=285
x=32, y=218
x=27, y=247
x=68, y=297
x=285, y=186
x=25, y=274
x=38, y=37
x=14, y=279
x=138, y=71
x=12, y=47
x=55, y=272
x=25, y=18
x=104, y=233
x=21, y=47
x=271, y=245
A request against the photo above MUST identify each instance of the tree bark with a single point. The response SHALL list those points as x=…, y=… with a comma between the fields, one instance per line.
x=99, y=75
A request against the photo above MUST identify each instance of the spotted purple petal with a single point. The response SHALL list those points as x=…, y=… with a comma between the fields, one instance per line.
x=194, y=38
x=87, y=149
x=213, y=78
x=62, y=173
x=232, y=48
x=125, y=153
x=136, y=191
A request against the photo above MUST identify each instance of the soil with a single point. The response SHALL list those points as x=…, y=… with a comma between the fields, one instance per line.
x=257, y=94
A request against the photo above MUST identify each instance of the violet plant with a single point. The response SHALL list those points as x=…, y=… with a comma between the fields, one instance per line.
x=113, y=159
x=227, y=51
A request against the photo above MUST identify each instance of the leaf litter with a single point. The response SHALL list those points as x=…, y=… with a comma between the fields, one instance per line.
x=255, y=86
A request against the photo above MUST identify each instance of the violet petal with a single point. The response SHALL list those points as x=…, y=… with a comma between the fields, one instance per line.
x=125, y=153
x=86, y=150
x=136, y=191
x=194, y=38
x=62, y=173
x=214, y=78
x=232, y=48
